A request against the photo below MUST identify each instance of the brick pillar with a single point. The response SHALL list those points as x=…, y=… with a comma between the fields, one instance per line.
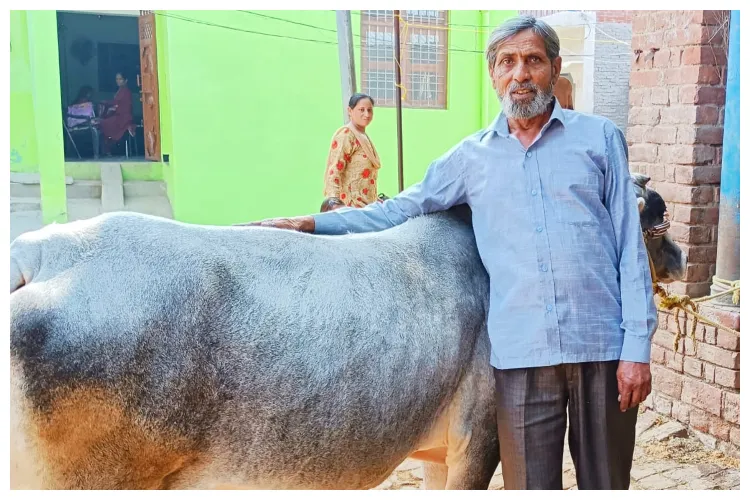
x=675, y=125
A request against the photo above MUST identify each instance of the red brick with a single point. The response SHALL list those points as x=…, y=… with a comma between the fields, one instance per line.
x=656, y=172
x=658, y=354
x=674, y=361
x=639, y=96
x=669, y=173
x=719, y=356
x=690, y=289
x=681, y=411
x=692, y=366
x=645, y=78
x=703, y=396
x=730, y=408
x=734, y=435
x=703, y=54
x=699, y=420
x=689, y=214
x=642, y=152
x=660, y=96
x=643, y=116
x=661, y=60
x=701, y=94
x=666, y=381
x=710, y=334
x=727, y=378
x=698, y=272
x=698, y=174
x=662, y=404
x=727, y=340
x=706, y=114
x=675, y=56
x=679, y=193
x=636, y=134
x=682, y=154
x=709, y=17
x=690, y=234
x=707, y=75
x=730, y=319
x=680, y=115
x=719, y=428
x=702, y=134
x=709, y=373
x=665, y=339
x=662, y=134
x=694, y=34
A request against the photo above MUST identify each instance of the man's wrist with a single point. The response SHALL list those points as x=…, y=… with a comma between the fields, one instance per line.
x=307, y=224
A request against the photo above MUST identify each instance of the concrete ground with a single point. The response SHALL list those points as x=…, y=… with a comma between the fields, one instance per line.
x=665, y=458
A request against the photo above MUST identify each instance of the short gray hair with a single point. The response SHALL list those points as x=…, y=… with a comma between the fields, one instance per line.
x=513, y=26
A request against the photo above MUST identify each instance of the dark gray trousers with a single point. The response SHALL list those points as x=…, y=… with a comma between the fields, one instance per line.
x=532, y=408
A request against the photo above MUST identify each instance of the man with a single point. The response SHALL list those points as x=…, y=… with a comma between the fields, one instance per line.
x=571, y=310
x=564, y=92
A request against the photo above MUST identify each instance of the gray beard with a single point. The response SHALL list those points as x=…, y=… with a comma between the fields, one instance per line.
x=536, y=107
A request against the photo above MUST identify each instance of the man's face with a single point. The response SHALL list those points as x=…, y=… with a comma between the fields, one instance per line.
x=523, y=76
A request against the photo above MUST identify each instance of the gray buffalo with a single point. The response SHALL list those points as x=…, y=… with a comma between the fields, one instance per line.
x=148, y=353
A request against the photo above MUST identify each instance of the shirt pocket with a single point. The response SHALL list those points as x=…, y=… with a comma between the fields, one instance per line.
x=577, y=194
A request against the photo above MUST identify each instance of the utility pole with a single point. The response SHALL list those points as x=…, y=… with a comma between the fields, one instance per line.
x=346, y=57
x=397, y=56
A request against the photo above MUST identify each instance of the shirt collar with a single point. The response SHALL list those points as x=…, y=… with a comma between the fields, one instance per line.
x=500, y=123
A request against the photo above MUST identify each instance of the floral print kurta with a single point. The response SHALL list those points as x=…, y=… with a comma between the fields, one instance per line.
x=352, y=169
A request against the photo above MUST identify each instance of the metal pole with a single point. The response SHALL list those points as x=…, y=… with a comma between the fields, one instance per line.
x=728, y=251
x=346, y=57
x=399, y=138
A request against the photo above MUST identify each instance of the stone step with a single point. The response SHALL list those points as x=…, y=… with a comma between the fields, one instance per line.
x=84, y=189
x=24, y=190
x=25, y=204
x=31, y=178
x=133, y=189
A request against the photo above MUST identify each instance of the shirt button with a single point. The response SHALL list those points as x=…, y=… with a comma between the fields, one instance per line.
x=539, y=229
x=549, y=308
x=528, y=154
x=543, y=267
x=533, y=192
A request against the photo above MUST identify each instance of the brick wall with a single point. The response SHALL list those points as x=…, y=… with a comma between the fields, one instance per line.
x=675, y=126
x=699, y=384
x=612, y=72
x=614, y=16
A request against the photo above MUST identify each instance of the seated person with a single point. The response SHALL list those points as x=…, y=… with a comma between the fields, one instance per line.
x=82, y=110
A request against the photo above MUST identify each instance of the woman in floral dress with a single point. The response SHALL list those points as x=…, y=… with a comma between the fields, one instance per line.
x=353, y=163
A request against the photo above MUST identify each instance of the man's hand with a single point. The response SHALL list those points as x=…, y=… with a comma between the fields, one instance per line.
x=633, y=383
x=304, y=224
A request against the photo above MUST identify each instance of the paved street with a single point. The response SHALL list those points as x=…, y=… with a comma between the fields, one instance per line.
x=661, y=462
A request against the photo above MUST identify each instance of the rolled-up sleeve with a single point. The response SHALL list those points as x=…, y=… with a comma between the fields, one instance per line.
x=443, y=186
x=639, y=317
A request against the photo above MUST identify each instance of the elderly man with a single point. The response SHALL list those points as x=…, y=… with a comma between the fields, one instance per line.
x=571, y=310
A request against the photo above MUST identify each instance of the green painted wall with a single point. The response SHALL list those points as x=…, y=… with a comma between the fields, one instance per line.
x=251, y=116
x=246, y=119
x=23, y=151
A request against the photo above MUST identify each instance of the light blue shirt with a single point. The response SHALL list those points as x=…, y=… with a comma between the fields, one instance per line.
x=558, y=230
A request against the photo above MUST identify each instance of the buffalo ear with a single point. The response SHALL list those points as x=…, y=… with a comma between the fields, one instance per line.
x=641, y=204
x=640, y=180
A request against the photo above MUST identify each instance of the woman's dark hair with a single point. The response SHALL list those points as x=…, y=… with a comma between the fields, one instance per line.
x=85, y=91
x=354, y=100
x=122, y=74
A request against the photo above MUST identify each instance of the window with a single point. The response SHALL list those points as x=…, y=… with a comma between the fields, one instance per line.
x=424, y=44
